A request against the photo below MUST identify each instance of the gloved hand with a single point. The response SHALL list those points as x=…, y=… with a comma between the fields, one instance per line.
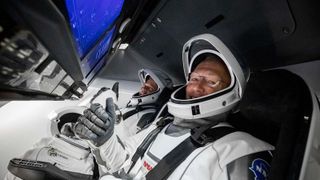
x=97, y=124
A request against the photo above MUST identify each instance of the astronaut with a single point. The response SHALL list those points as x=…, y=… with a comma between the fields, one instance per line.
x=183, y=148
x=141, y=110
x=61, y=156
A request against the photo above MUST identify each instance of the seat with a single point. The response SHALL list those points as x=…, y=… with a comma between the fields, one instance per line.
x=277, y=108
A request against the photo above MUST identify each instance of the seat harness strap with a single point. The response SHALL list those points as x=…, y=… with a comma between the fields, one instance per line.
x=199, y=138
x=148, y=140
x=136, y=110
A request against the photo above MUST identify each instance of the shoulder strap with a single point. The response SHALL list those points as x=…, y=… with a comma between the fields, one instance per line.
x=145, y=119
x=148, y=140
x=136, y=110
x=175, y=157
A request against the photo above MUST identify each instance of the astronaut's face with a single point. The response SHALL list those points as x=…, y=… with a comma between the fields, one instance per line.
x=210, y=76
x=148, y=87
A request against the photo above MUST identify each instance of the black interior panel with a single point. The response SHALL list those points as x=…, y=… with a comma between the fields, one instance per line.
x=266, y=34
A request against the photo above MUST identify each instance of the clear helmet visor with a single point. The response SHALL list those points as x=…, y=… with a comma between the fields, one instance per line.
x=162, y=80
x=205, y=44
x=145, y=74
x=218, y=102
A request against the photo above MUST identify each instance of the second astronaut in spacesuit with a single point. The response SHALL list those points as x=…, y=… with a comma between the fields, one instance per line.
x=142, y=108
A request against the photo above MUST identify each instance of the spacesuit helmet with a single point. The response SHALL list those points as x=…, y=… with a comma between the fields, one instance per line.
x=219, y=102
x=61, y=124
x=162, y=80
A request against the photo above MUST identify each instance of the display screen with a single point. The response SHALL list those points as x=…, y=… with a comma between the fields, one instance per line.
x=90, y=19
x=97, y=53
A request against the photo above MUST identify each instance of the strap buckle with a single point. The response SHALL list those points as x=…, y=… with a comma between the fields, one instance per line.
x=198, y=136
x=200, y=141
x=164, y=121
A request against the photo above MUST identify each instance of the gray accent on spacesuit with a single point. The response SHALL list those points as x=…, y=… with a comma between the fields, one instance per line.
x=191, y=123
x=120, y=142
x=176, y=131
x=96, y=153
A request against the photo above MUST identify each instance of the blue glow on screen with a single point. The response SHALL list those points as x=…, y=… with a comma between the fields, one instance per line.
x=95, y=55
x=89, y=19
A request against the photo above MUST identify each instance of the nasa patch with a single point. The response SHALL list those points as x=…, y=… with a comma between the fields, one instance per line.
x=260, y=168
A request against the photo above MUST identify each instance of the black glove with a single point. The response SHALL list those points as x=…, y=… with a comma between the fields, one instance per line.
x=97, y=124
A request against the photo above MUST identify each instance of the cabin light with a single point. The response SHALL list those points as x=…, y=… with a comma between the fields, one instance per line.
x=123, y=46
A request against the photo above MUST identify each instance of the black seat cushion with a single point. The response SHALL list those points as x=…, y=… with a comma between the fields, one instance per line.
x=276, y=107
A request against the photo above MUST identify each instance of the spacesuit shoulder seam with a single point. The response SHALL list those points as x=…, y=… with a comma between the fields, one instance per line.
x=194, y=158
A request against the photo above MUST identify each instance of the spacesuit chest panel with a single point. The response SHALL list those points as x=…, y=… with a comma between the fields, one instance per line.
x=161, y=146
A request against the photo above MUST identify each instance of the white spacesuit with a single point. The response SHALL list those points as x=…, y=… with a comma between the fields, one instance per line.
x=141, y=110
x=151, y=153
x=69, y=156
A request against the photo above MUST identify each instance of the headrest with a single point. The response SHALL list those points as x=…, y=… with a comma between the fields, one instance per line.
x=273, y=100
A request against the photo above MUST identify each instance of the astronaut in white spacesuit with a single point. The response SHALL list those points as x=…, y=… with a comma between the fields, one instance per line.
x=141, y=110
x=61, y=156
x=198, y=143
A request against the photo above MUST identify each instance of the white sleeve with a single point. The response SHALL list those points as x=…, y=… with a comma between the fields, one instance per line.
x=116, y=153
